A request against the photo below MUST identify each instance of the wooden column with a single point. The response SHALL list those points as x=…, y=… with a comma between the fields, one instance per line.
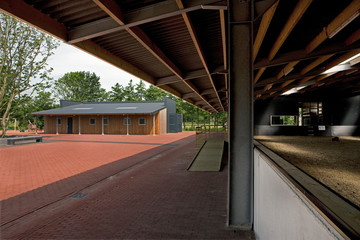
x=79, y=125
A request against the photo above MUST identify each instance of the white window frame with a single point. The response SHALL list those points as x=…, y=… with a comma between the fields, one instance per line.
x=92, y=123
x=144, y=121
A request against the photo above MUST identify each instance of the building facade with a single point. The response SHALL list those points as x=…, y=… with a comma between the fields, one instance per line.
x=127, y=118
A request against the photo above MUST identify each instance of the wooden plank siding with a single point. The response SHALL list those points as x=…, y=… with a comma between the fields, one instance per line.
x=116, y=124
x=163, y=123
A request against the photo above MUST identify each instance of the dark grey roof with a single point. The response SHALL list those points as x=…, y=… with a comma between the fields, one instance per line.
x=106, y=108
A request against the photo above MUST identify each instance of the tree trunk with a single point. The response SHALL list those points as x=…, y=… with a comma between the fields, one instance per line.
x=5, y=117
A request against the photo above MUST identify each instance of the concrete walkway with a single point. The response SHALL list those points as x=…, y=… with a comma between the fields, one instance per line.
x=210, y=156
x=145, y=193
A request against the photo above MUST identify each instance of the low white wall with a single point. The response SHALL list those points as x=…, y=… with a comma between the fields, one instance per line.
x=280, y=211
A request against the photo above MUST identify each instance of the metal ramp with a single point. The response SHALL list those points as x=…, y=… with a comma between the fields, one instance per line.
x=209, y=156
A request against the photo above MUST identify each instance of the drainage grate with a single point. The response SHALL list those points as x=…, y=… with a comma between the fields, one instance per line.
x=79, y=195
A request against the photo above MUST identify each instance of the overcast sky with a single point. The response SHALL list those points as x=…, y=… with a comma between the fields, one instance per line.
x=70, y=59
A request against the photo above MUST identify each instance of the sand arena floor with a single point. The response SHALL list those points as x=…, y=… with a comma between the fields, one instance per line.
x=335, y=164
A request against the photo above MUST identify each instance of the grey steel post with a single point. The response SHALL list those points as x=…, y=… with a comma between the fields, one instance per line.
x=57, y=126
x=102, y=125
x=79, y=125
x=127, y=124
x=36, y=126
x=241, y=115
x=154, y=124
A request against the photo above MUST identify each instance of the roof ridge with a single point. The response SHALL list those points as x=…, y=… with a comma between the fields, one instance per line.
x=152, y=101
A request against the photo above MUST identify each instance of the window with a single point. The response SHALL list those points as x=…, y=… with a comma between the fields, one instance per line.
x=142, y=121
x=283, y=120
x=312, y=113
x=92, y=121
x=58, y=121
x=127, y=121
x=106, y=121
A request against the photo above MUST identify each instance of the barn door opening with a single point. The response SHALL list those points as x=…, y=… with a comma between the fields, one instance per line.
x=70, y=125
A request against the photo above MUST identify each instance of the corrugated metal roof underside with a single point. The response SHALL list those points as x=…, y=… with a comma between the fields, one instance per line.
x=71, y=13
x=123, y=45
x=175, y=40
x=208, y=30
x=107, y=108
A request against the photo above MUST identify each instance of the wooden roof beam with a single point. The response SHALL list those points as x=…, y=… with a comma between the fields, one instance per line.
x=264, y=25
x=334, y=25
x=315, y=63
x=207, y=91
x=188, y=95
x=35, y=18
x=223, y=37
x=342, y=58
x=293, y=76
x=320, y=76
x=187, y=76
x=114, y=11
x=198, y=47
x=147, y=14
x=261, y=7
x=293, y=19
x=355, y=36
x=300, y=55
x=287, y=69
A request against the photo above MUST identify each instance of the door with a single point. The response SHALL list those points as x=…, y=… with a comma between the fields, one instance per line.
x=172, y=123
x=70, y=125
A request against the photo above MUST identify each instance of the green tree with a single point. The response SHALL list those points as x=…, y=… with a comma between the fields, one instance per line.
x=154, y=94
x=130, y=92
x=80, y=86
x=117, y=93
x=141, y=90
x=23, y=109
x=24, y=52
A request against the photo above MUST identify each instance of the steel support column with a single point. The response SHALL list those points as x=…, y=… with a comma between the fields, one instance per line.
x=241, y=114
x=57, y=126
x=127, y=124
x=36, y=125
x=79, y=124
x=102, y=125
x=154, y=128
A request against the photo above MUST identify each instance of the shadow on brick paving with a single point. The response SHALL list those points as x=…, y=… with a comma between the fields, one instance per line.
x=155, y=198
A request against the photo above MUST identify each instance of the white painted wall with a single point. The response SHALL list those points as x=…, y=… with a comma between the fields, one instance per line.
x=280, y=212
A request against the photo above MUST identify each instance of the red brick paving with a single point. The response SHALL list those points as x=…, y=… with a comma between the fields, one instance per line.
x=151, y=196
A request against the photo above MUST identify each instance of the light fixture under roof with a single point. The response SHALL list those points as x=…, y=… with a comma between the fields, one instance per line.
x=293, y=90
x=345, y=65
